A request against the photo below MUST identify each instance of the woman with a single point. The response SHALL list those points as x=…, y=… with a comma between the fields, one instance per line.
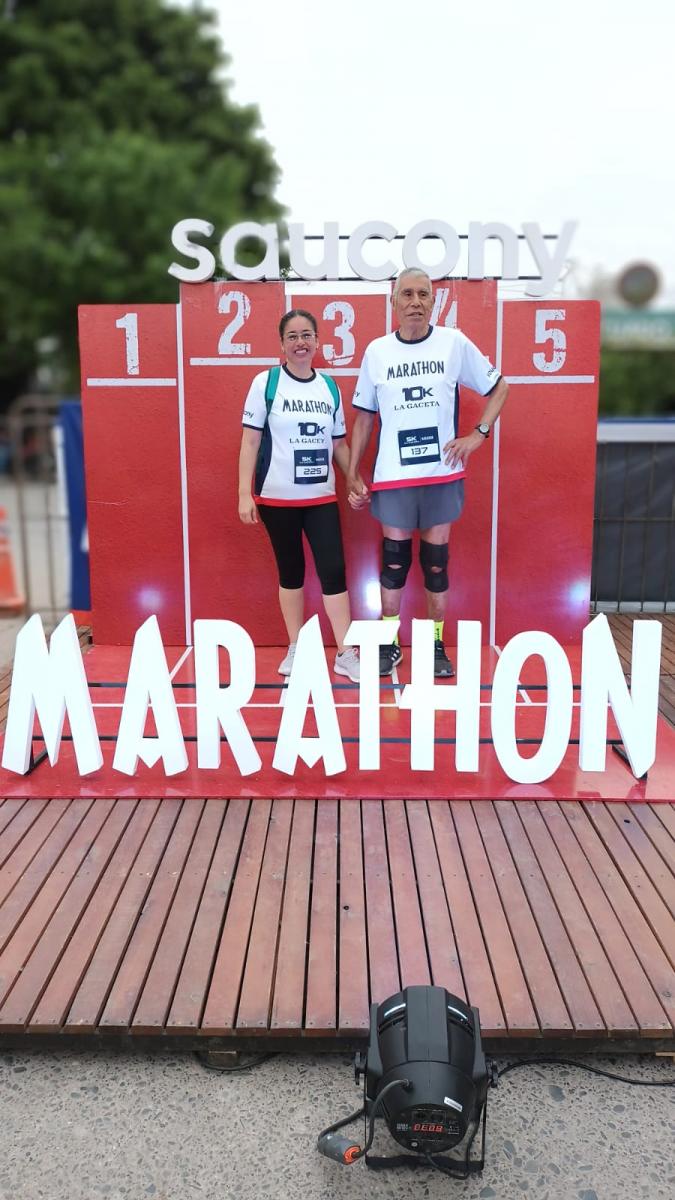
x=293, y=428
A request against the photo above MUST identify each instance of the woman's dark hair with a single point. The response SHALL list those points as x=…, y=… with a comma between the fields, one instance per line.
x=297, y=312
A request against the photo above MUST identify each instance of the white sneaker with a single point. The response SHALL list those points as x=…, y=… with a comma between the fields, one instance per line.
x=285, y=665
x=348, y=664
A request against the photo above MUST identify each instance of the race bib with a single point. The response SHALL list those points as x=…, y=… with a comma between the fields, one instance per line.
x=311, y=466
x=418, y=445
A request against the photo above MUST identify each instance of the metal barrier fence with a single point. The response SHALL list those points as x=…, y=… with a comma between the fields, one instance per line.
x=634, y=534
x=34, y=497
x=634, y=529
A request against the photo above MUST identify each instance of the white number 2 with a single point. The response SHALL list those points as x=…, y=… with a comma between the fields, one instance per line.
x=555, y=336
x=243, y=310
x=340, y=308
x=129, y=323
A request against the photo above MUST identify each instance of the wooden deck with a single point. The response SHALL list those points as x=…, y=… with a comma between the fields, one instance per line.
x=276, y=922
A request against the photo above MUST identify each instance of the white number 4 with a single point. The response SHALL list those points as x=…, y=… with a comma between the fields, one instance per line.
x=557, y=338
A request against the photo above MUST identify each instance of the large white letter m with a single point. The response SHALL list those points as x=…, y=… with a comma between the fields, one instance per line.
x=50, y=683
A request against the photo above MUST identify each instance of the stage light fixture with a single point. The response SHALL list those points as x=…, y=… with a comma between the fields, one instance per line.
x=426, y=1076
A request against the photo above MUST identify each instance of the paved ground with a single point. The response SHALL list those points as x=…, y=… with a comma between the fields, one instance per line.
x=126, y=1126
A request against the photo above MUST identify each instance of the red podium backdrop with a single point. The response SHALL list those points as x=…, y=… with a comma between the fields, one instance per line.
x=163, y=388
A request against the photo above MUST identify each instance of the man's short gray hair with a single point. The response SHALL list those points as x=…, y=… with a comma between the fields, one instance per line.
x=406, y=273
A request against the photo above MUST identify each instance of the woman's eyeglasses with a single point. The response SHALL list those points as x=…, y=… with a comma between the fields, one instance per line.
x=299, y=337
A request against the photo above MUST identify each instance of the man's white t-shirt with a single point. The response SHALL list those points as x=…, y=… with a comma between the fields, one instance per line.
x=295, y=462
x=414, y=388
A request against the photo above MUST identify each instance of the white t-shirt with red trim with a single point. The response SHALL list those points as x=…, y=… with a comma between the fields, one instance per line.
x=295, y=462
x=414, y=388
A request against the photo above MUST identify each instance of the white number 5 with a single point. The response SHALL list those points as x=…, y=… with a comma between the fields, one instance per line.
x=555, y=336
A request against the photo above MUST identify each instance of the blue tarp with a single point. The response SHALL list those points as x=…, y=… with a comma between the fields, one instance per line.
x=70, y=416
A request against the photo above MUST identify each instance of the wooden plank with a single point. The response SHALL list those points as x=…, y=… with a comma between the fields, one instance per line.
x=412, y=950
x=666, y=815
x=21, y=814
x=572, y=982
x=638, y=932
x=36, y=972
x=441, y=946
x=609, y=997
x=37, y=902
x=195, y=975
x=383, y=968
x=353, y=1000
x=659, y=836
x=87, y=1005
x=223, y=994
x=321, y=1002
x=622, y=632
x=33, y=844
x=506, y=969
x=552, y=1014
x=155, y=999
x=632, y=979
x=24, y=873
x=473, y=956
x=667, y=701
x=637, y=879
x=659, y=872
x=8, y=811
x=289, y=983
x=74, y=959
x=133, y=969
x=667, y=643
x=255, y=1001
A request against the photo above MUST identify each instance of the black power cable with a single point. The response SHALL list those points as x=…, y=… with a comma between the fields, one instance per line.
x=554, y=1061
x=339, y=1147
x=255, y=1061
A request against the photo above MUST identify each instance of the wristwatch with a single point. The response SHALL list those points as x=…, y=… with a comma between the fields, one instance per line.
x=484, y=429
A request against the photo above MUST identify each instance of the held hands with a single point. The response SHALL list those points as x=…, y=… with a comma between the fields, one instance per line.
x=248, y=513
x=456, y=453
x=357, y=492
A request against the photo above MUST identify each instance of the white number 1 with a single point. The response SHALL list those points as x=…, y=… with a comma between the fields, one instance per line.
x=129, y=323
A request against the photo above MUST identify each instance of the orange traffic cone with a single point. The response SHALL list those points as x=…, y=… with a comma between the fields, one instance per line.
x=11, y=601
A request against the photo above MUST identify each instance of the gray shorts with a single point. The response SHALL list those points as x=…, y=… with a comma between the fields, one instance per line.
x=419, y=507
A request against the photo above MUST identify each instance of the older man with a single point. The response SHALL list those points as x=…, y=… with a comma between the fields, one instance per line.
x=410, y=379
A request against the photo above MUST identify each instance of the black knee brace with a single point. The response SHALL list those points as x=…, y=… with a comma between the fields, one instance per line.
x=434, y=556
x=396, y=560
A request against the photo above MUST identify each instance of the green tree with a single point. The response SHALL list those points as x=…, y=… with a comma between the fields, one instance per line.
x=637, y=383
x=115, y=122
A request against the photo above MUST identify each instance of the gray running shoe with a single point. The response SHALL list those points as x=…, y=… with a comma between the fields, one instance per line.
x=348, y=664
x=285, y=665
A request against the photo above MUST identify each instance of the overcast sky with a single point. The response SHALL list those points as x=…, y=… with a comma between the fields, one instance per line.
x=480, y=110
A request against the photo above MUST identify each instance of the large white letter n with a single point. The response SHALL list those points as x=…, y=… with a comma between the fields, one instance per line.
x=50, y=683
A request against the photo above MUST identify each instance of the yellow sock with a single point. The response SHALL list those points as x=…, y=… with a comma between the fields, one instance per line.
x=438, y=630
x=393, y=618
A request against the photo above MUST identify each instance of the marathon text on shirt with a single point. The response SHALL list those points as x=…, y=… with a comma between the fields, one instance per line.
x=308, y=406
x=407, y=370
x=549, y=262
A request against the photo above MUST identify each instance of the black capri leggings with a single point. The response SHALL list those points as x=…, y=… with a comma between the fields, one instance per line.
x=321, y=525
